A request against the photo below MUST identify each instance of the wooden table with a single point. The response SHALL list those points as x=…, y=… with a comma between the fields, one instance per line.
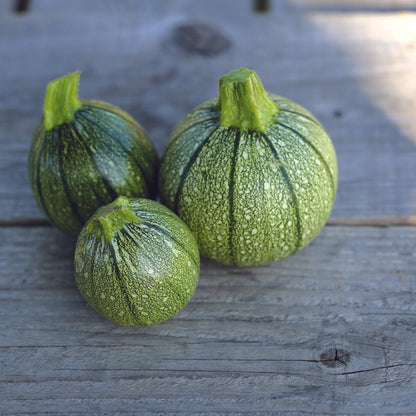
x=330, y=330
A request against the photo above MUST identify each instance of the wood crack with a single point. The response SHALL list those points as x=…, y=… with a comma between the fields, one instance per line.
x=366, y=370
x=382, y=221
x=25, y=222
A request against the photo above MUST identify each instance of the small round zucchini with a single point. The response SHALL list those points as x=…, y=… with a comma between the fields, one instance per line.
x=136, y=262
x=253, y=174
x=85, y=153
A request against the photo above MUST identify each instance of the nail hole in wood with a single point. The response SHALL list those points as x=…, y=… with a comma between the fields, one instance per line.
x=21, y=6
x=261, y=6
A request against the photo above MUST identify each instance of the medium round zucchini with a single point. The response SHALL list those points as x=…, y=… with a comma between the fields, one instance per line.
x=252, y=174
x=136, y=262
x=85, y=153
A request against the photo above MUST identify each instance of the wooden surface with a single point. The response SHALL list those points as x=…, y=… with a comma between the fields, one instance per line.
x=330, y=330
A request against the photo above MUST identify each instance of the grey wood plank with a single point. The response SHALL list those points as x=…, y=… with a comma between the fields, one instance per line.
x=7, y=6
x=317, y=333
x=351, y=5
x=348, y=69
x=130, y=6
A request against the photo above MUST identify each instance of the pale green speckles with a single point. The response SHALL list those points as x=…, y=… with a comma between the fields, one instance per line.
x=212, y=189
x=260, y=148
x=281, y=198
x=151, y=270
x=255, y=224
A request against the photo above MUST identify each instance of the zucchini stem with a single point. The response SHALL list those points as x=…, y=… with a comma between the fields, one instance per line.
x=112, y=218
x=243, y=102
x=61, y=100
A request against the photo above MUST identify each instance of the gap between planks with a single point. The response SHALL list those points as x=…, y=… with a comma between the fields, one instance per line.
x=384, y=221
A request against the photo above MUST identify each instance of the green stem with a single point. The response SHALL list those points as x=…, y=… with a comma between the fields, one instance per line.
x=243, y=101
x=61, y=100
x=111, y=218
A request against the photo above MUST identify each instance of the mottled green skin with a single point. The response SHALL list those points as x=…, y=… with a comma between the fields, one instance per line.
x=77, y=167
x=250, y=198
x=146, y=273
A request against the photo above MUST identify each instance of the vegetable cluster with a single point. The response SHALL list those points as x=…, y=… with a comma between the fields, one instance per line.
x=245, y=179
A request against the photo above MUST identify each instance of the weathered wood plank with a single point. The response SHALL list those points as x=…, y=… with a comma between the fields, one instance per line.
x=351, y=5
x=7, y=6
x=349, y=70
x=330, y=330
x=317, y=333
x=114, y=6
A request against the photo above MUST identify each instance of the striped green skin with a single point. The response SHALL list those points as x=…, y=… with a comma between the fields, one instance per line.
x=77, y=167
x=147, y=272
x=249, y=197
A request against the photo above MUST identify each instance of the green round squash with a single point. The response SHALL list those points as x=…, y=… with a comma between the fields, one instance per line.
x=85, y=153
x=252, y=174
x=136, y=262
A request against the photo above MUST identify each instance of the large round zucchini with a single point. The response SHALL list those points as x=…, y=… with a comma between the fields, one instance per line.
x=253, y=175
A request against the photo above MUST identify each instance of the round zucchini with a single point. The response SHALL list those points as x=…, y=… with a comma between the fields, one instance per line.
x=253, y=174
x=85, y=153
x=136, y=262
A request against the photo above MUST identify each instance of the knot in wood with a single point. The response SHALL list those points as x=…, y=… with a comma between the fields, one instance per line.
x=335, y=358
x=200, y=39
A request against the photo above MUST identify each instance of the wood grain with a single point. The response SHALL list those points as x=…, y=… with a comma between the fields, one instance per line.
x=328, y=331
x=340, y=66
x=317, y=333
x=111, y=6
x=352, y=5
